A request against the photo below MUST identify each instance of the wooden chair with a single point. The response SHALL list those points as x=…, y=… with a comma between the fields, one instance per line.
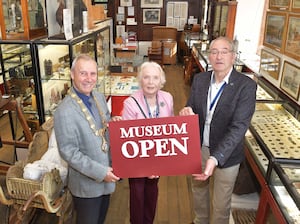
x=156, y=52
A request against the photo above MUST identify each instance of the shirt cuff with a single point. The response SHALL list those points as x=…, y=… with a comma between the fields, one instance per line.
x=214, y=159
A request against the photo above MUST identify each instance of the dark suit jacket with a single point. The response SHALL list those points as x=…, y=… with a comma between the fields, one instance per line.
x=231, y=117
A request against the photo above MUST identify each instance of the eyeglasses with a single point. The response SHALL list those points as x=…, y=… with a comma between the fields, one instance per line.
x=222, y=52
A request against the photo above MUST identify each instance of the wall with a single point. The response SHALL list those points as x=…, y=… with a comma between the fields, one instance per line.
x=144, y=31
x=249, y=29
x=248, y=25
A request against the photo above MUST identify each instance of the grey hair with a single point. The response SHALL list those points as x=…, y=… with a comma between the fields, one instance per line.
x=84, y=57
x=228, y=40
x=155, y=65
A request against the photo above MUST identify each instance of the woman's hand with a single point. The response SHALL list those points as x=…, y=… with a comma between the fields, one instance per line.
x=116, y=118
x=186, y=111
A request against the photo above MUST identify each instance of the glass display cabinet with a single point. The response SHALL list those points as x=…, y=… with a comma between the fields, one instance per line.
x=273, y=151
x=285, y=186
x=221, y=18
x=22, y=19
x=18, y=72
x=18, y=84
x=54, y=59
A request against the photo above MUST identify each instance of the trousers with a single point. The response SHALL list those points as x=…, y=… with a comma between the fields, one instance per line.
x=212, y=198
x=91, y=210
x=143, y=200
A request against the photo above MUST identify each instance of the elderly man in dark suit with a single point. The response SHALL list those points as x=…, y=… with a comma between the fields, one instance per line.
x=224, y=99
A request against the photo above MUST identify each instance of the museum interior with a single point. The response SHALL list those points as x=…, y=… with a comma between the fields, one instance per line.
x=39, y=40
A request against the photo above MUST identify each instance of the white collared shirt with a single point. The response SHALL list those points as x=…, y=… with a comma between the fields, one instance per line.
x=212, y=93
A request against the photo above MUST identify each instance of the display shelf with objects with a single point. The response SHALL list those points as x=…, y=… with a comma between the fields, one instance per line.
x=121, y=85
x=22, y=20
x=54, y=59
x=19, y=77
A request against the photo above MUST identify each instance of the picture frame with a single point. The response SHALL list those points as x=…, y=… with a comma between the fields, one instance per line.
x=295, y=6
x=120, y=17
x=126, y=3
x=269, y=64
x=102, y=2
x=152, y=3
x=151, y=16
x=279, y=4
x=292, y=44
x=290, y=80
x=275, y=30
x=99, y=2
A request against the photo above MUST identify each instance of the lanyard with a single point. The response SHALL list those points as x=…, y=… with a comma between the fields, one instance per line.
x=156, y=110
x=217, y=96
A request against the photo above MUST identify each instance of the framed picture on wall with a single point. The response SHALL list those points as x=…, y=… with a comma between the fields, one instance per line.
x=290, y=80
x=295, y=6
x=279, y=4
x=151, y=16
x=102, y=2
x=292, y=44
x=269, y=64
x=275, y=30
x=125, y=2
x=152, y=3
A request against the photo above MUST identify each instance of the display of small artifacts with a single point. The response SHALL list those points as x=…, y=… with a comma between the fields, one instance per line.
x=64, y=92
x=48, y=67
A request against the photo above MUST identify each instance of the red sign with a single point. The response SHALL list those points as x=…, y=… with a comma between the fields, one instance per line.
x=157, y=146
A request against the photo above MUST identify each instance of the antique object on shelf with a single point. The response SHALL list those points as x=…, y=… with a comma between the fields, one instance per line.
x=59, y=14
x=22, y=19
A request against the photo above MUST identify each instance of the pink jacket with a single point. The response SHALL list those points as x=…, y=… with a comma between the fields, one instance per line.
x=131, y=110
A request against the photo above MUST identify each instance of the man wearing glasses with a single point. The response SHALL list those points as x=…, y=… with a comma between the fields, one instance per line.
x=224, y=99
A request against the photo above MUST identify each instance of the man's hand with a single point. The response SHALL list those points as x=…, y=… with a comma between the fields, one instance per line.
x=209, y=169
x=110, y=177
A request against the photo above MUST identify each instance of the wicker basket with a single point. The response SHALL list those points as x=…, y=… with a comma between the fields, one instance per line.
x=22, y=189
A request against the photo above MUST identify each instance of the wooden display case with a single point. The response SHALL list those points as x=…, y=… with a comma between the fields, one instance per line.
x=221, y=18
x=272, y=150
x=22, y=19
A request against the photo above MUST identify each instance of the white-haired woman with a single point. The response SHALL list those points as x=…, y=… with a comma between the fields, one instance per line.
x=148, y=102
